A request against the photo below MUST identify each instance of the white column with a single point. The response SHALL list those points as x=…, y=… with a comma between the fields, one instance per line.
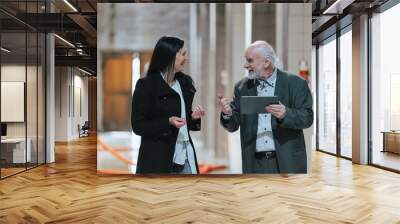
x=279, y=27
x=360, y=90
x=193, y=43
x=211, y=85
x=50, y=99
x=248, y=24
x=238, y=43
x=235, y=46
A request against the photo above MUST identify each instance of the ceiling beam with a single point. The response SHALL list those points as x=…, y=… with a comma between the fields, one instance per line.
x=81, y=61
x=84, y=24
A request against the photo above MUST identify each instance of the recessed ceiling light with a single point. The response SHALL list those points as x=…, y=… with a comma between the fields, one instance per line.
x=5, y=50
x=338, y=6
x=84, y=71
x=70, y=5
x=64, y=40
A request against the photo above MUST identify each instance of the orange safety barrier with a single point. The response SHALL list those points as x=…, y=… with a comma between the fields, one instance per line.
x=208, y=168
x=115, y=153
x=122, y=149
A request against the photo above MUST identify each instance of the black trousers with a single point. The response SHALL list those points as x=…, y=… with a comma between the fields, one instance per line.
x=266, y=166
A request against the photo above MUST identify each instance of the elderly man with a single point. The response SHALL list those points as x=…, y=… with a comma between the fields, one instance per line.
x=272, y=142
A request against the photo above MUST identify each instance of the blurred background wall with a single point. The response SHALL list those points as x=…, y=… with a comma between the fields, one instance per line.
x=216, y=36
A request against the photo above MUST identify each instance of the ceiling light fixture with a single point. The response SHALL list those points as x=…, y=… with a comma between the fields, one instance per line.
x=86, y=72
x=70, y=5
x=5, y=49
x=64, y=40
x=329, y=9
x=337, y=7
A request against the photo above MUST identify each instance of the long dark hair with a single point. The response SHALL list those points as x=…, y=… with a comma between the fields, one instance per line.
x=163, y=58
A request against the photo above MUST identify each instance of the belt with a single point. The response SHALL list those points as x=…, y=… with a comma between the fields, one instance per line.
x=265, y=155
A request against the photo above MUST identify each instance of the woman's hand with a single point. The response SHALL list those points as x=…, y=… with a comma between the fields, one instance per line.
x=198, y=113
x=177, y=121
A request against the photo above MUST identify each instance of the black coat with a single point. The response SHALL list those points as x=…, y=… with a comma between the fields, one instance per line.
x=295, y=94
x=154, y=101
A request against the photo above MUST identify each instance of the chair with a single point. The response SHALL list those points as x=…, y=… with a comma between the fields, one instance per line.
x=84, y=130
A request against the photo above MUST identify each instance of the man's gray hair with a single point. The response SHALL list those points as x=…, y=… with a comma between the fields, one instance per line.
x=265, y=50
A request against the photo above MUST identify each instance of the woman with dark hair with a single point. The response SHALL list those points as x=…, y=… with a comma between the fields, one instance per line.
x=162, y=112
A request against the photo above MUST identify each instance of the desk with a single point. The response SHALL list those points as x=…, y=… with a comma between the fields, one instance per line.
x=15, y=148
x=391, y=141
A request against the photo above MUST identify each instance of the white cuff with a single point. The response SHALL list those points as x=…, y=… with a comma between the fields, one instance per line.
x=226, y=116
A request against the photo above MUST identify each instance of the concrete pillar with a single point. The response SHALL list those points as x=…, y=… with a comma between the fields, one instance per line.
x=50, y=99
x=281, y=29
x=360, y=90
x=193, y=47
x=205, y=64
x=299, y=44
x=235, y=46
x=220, y=133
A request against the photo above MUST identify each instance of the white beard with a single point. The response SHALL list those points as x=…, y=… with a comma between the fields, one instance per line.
x=255, y=75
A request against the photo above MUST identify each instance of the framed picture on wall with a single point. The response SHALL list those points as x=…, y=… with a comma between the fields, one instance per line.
x=12, y=101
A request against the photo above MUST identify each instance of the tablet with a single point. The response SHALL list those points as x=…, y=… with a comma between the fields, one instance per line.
x=256, y=104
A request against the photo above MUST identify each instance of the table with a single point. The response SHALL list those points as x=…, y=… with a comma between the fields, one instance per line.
x=391, y=141
x=13, y=150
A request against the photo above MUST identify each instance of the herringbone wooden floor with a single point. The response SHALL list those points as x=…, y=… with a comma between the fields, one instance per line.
x=70, y=191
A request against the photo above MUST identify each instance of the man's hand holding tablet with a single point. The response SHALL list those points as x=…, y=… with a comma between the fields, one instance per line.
x=257, y=104
x=277, y=110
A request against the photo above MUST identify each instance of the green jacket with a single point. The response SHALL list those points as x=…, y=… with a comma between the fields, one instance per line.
x=294, y=93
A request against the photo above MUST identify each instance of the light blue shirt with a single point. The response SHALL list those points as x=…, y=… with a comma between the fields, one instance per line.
x=183, y=134
x=183, y=148
x=265, y=138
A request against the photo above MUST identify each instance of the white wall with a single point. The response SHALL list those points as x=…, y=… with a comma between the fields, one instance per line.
x=12, y=101
x=61, y=103
x=67, y=115
x=80, y=84
x=33, y=126
x=15, y=73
